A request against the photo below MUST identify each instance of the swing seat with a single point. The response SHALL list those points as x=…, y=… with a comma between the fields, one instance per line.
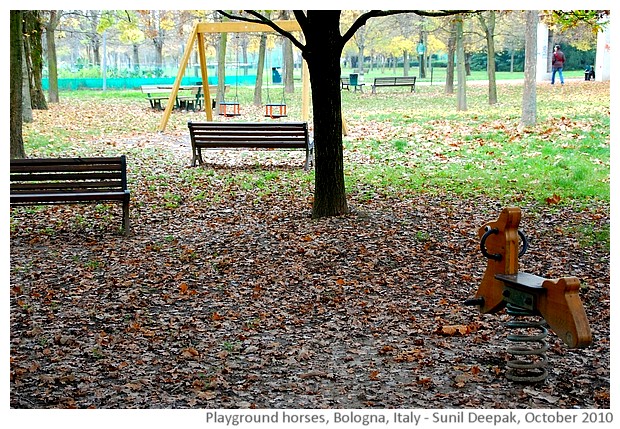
x=229, y=108
x=275, y=110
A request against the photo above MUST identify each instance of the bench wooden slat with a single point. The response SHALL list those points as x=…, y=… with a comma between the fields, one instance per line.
x=28, y=188
x=23, y=176
x=259, y=135
x=43, y=181
x=65, y=197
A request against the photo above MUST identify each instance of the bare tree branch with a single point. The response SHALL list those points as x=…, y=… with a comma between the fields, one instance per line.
x=261, y=19
x=363, y=18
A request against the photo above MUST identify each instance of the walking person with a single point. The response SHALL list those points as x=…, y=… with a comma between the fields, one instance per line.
x=557, y=64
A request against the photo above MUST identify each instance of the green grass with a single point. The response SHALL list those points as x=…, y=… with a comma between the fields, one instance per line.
x=416, y=142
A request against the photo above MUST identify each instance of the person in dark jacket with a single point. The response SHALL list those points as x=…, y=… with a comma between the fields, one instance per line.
x=557, y=64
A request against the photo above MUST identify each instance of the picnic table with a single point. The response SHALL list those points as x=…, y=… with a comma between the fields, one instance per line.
x=188, y=97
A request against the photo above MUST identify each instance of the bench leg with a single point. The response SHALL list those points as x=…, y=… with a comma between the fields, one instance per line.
x=197, y=157
x=126, y=217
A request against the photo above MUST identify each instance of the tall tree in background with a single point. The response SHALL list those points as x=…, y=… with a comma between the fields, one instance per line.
x=322, y=51
x=451, y=53
x=528, y=106
x=90, y=27
x=289, y=61
x=461, y=73
x=15, y=78
x=26, y=102
x=221, y=68
x=487, y=22
x=260, y=67
x=157, y=23
x=53, y=18
x=33, y=48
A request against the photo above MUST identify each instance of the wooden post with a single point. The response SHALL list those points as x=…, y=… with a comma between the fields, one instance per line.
x=205, y=77
x=177, y=81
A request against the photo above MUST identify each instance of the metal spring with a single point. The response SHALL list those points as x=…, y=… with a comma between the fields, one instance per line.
x=530, y=363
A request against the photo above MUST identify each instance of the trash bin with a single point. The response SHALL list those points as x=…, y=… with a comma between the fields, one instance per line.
x=353, y=79
x=276, y=75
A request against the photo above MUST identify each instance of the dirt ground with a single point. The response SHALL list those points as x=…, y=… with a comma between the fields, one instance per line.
x=235, y=298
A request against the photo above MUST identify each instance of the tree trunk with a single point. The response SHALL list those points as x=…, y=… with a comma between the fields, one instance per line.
x=15, y=78
x=405, y=63
x=158, y=42
x=468, y=64
x=289, y=66
x=461, y=96
x=260, y=67
x=52, y=63
x=221, y=69
x=289, y=61
x=424, y=41
x=33, y=45
x=322, y=53
x=136, y=57
x=528, y=106
x=244, y=54
x=451, y=53
x=488, y=26
x=26, y=102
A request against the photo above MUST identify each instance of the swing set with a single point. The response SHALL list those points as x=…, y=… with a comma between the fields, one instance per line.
x=272, y=110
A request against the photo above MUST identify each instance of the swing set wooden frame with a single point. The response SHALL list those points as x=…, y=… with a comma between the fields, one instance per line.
x=197, y=38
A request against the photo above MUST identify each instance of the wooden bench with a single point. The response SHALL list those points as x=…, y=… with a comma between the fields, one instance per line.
x=47, y=181
x=240, y=135
x=394, y=81
x=345, y=83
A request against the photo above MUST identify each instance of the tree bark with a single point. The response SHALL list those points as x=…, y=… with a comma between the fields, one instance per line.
x=322, y=53
x=26, y=102
x=528, y=106
x=52, y=63
x=289, y=61
x=221, y=69
x=33, y=46
x=461, y=96
x=15, y=78
x=260, y=67
x=488, y=26
x=289, y=66
x=451, y=53
x=136, y=57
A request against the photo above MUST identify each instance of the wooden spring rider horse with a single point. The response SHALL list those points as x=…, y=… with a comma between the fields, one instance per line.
x=556, y=300
x=527, y=298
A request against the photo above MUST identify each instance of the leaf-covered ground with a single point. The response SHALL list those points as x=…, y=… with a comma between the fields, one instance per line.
x=228, y=295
